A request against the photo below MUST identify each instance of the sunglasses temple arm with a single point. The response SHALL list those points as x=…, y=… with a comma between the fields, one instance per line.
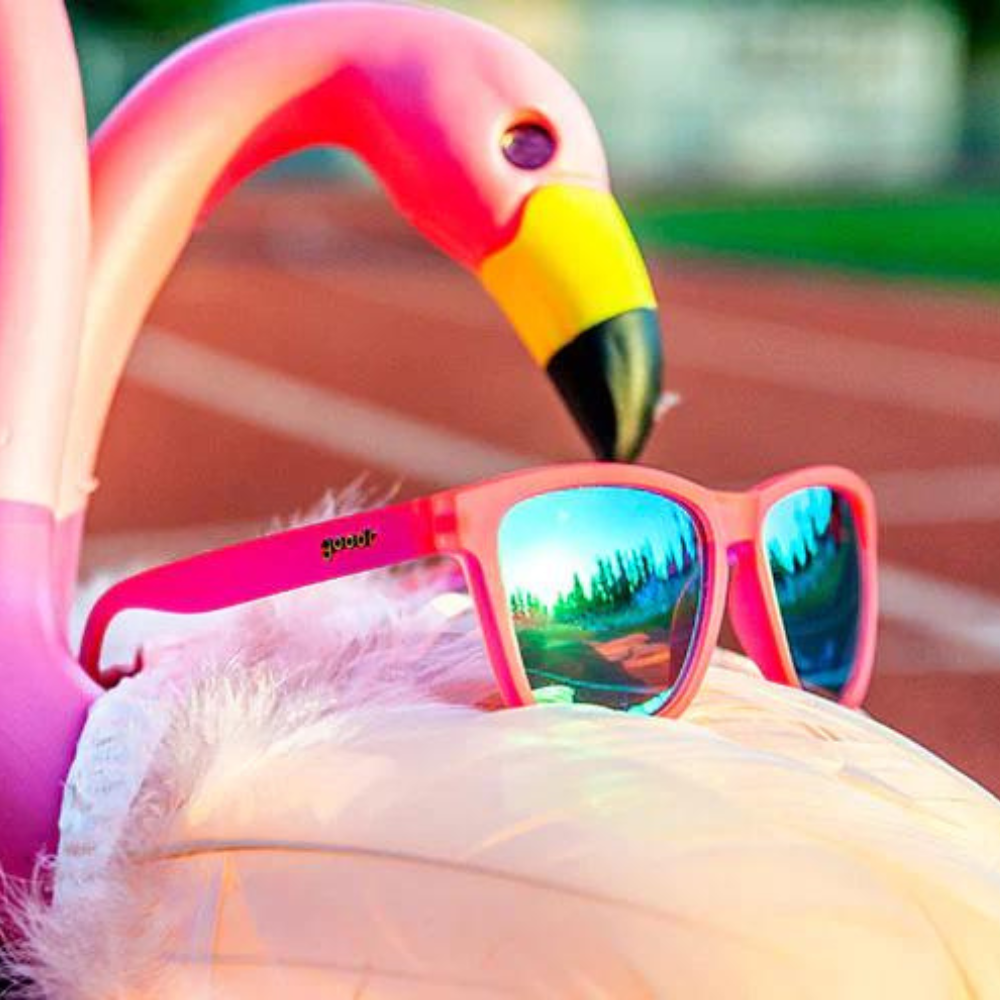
x=266, y=567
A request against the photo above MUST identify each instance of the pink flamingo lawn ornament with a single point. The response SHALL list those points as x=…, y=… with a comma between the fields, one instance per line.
x=767, y=844
x=482, y=145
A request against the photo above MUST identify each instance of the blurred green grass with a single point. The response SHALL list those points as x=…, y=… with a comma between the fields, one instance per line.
x=943, y=237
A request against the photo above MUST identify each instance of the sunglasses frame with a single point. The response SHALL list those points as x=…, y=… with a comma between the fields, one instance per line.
x=464, y=524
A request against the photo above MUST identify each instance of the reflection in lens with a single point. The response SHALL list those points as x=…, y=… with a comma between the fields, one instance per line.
x=604, y=585
x=813, y=553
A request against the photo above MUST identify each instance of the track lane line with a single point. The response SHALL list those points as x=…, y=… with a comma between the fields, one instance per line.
x=960, y=615
x=281, y=404
x=787, y=355
x=781, y=354
x=967, y=494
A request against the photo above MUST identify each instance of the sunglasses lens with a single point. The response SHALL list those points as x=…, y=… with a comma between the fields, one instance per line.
x=815, y=561
x=604, y=586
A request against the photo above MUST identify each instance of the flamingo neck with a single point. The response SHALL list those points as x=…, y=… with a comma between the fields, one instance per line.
x=213, y=114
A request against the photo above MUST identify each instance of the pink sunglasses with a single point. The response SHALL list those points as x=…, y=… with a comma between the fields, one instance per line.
x=595, y=583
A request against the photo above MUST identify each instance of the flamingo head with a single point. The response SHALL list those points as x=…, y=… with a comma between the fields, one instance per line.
x=494, y=157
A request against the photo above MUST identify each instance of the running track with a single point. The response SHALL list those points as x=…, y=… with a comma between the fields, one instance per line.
x=308, y=336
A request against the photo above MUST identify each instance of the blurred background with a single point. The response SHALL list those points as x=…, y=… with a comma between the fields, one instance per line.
x=816, y=184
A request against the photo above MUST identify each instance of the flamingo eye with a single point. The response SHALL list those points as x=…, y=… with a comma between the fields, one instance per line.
x=529, y=145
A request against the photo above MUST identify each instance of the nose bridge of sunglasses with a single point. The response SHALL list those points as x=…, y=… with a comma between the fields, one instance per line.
x=737, y=517
x=749, y=615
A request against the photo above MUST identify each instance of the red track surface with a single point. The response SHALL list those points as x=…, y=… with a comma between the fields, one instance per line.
x=775, y=370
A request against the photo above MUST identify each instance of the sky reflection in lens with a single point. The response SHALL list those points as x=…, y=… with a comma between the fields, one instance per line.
x=813, y=554
x=604, y=587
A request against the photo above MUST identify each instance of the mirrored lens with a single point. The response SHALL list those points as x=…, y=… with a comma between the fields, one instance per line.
x=813, y=553
x=604, y=586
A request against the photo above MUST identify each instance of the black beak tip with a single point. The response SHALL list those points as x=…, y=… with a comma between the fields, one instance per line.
x=610, y=377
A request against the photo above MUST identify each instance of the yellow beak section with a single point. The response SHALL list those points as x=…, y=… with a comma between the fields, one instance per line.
x=572, y=265
x=574, y=286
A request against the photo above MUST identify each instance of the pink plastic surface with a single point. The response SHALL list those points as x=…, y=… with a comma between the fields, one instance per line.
x=44, y=696
x=465, y=523
x=67, y=542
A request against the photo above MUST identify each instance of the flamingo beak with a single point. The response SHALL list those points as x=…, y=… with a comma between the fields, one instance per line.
x=574, y=286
